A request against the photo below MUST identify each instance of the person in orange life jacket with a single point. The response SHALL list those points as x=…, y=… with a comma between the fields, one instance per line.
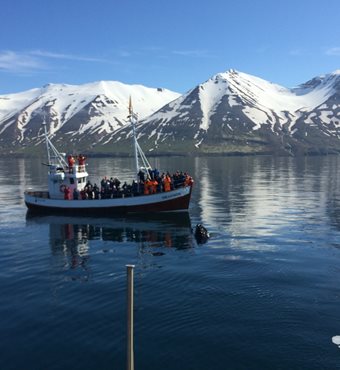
x=153, y=186
x=81, y=159
x=167, y=183
x=71, y=161
x=147, y=184
x=67, y=193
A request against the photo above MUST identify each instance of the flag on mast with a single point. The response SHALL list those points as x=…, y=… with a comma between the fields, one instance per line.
x=130, y=106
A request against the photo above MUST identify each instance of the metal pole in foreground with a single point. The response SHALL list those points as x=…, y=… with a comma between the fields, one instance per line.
x=130, y=354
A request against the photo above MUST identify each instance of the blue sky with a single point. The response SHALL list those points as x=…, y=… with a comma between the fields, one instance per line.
x=172, y=44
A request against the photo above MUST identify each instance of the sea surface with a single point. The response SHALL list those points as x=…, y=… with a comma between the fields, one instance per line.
x=262, y=293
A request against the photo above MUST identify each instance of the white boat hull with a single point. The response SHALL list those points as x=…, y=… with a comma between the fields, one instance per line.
x=175, y=200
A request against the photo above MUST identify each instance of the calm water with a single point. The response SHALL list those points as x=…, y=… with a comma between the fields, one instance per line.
x=263, y=293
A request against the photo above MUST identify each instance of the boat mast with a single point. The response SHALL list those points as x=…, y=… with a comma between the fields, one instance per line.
x=138, y=150
x=47, y=147
x=54, y=157
x=133, y=119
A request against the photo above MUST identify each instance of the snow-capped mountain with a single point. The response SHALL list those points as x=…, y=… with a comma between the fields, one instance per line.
x=232, y=112
x=237, y=112
x=83, y=114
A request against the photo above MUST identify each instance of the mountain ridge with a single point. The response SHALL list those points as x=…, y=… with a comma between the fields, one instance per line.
x=231, y=112
x=237, y=108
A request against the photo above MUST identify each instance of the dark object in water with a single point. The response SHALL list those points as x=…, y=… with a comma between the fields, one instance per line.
x=201, y=234
x=158, y=254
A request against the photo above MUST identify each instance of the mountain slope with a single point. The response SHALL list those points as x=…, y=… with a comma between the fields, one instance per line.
x=237, y=112
x=83, y=114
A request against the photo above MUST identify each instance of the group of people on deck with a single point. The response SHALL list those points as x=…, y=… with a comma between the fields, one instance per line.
x=156, y=183
x=148, y=183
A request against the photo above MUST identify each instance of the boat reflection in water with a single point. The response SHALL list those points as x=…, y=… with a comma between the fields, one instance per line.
x=72, y=236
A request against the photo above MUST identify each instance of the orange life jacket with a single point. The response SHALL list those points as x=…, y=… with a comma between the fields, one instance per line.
x=167, y=183
x=154, y=184
x=146, y=187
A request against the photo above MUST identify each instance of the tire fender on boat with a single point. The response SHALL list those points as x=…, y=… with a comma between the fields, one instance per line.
x=62, y=188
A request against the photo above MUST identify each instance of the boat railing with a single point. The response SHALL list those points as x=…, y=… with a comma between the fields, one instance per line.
x=81, y=168
x=76, y=169
x=38, y=194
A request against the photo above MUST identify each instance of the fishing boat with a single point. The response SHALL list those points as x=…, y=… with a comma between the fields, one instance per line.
x=67, y=179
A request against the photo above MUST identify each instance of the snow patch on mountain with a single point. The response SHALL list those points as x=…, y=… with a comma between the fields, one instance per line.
x=210, y=94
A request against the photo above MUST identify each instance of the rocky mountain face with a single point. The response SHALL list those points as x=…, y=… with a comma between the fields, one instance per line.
x=230, y=113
